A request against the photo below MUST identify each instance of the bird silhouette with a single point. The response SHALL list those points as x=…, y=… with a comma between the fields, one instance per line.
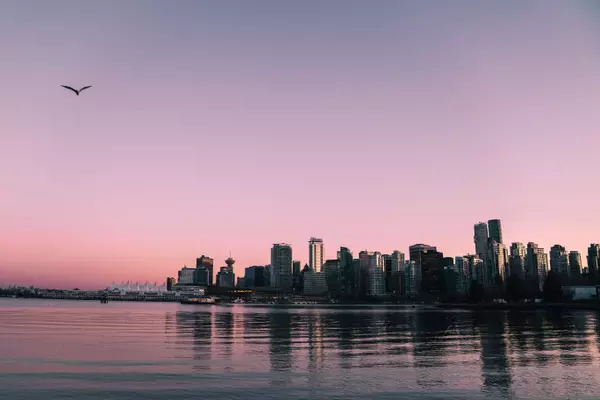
x=76, y=91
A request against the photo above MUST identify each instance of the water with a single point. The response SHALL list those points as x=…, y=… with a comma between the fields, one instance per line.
x=87, y=350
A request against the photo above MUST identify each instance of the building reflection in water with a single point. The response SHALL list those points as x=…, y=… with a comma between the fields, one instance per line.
x=495, y=366
x=222, y=345
x=505, y=354
x=280, y=347
x=197, y=326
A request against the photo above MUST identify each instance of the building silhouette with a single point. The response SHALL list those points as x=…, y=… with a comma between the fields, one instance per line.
x=559, y=262
x=575, y=266
x=495, y=230
x=593, y=261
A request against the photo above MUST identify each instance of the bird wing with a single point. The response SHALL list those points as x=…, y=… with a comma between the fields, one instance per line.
x=83, y=88
x=70, y=88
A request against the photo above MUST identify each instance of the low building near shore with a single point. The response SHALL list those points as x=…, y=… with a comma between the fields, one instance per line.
x=581, y=292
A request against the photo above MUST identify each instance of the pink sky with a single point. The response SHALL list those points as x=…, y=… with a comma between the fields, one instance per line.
x=228, y=125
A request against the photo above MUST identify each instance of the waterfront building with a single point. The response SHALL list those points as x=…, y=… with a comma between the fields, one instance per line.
x=517, y=259
x=331, y=269
x=186, y=276
x=314, y=282
x=171, y=282
x=281, y=266
x=387, y=271
x=499, y=263
x=226, y=276
x=495, y=231
x=432, y=272
x=256, y=276
x=463, y=281
x=397, y=261
x=481, y=240
x=536, y=266
x=241, y=283
x=575, y=265
x=477, y=270
x=316, y=254
x=208, y=264
x=559, y=262
x=296, y=270
x=348, y=282
x=593, y=261
x=411, y=278
x=137, y=288
x=374, y=266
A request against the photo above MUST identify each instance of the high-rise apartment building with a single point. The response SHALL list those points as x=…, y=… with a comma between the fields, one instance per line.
x=593, y=261
x=463, y=282
x=375, y=274
x=575, y=265
x=517, y=259
x=281, y=266
x=316, y=254
x=477, y=269
x=411, y=278
x=347, y=273
x=397, y=261
x=559, y=262
x=499, y=262
x=495, y=231
x=432, y=272
x=536, y=266
x=481, y=239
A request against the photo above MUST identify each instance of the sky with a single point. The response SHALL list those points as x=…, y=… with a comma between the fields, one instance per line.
x=217, y=126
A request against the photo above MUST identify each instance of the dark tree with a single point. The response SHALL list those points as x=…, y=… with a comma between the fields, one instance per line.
x=515, y=289
x=477, y=293
x=552, y=288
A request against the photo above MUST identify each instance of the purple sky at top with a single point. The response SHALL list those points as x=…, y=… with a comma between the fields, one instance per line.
x=233, y=125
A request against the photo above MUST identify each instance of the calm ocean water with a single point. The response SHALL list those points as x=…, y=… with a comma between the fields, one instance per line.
x=87, y=350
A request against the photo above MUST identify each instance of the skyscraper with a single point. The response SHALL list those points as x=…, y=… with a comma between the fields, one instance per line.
x=461, y=266
x=316, y=254
x=281, y=266
x=208, y=264
x=387, y=268
x=432, y=272
x=517, y=259
x=559, y=262
x=593, y=260
x=575, y=265
x=536, y=266
x=375, y=273
x=481, y=240
x=397, y=261
x=347, y=273
x=495, y=228
x=499, y=262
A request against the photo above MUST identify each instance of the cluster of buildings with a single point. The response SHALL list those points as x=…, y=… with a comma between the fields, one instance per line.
x=426, y=271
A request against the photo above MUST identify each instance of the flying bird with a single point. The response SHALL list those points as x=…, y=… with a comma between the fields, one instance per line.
x=76, y=91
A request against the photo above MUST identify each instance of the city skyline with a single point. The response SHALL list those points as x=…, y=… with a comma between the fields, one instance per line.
x=224, y=125
x=405, y=252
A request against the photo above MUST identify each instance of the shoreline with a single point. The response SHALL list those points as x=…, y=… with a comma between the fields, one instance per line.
x=592, y=306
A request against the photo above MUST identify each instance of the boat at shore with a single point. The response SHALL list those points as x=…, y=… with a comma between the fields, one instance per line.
x=199, y=301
